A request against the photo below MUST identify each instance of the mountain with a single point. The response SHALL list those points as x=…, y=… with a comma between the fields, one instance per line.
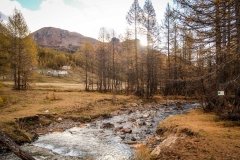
x=3, y=17
x=60, y=39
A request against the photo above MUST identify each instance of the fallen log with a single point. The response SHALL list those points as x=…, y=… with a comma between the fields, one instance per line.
x=12, y=146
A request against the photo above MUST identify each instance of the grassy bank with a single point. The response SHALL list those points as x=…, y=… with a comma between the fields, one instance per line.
x=197, y=135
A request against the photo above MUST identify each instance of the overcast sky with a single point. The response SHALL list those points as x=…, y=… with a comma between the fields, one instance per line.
x=82, y=16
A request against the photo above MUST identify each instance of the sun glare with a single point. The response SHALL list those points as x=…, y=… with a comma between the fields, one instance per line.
x=143, y=41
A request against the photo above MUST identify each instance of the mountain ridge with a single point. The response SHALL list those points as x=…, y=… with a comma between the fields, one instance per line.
x=61, y=39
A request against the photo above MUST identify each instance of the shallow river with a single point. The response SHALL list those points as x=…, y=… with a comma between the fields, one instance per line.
x=106, y=139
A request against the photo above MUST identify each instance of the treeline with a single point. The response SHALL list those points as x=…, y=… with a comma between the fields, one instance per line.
x=50, y=58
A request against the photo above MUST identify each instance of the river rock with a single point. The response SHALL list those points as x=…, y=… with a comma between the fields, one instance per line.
x=126, y=130
x=130, y=111
x=131, y=119
x=107, y=125
x=118, y=129
x=121, y=122
x=148, y=123
x=133, y=139
x=133, y=104
x=148, y=131
x=122, y=136
x=140, y=122
x=146, y=115
x=170, y=140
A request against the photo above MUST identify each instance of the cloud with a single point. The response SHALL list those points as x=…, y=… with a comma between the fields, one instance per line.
x=83, y=16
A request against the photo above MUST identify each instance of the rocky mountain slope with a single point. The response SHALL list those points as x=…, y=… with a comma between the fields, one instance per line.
x=60, y=39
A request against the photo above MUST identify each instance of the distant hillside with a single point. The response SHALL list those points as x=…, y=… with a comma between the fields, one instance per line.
x=60, y=39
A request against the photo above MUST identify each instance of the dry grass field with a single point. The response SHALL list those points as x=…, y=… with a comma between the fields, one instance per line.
x=200, y=136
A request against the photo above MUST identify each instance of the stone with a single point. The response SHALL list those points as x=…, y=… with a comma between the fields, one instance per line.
x=146, y=115
x=170, y=140
x=126, y=130
x=132, y=119
x=141, y=122
x=134, y=104
x=59, y=119
x=148, y=131
x=107, y=125
x=118, y=129
x=133, y=139
x=122, y=137
x=149, y=124
x=130, y=111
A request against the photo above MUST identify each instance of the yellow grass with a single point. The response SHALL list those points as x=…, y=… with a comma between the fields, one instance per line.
x=142, y=153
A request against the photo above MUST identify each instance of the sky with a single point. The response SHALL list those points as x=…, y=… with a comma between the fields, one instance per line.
x=82, y=16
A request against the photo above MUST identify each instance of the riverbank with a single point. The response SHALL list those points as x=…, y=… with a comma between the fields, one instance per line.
x=195, y=135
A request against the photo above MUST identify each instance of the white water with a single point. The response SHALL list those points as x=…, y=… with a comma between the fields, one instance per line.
x=86, y=142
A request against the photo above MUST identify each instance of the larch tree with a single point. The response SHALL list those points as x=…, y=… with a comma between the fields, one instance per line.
x=167, y=26
x=88, y=49
x=4, y=51
x=113, y=47
x=128, y=50
x=150, y=24
x=23, y=50
x=103, y=61
x=134, y=17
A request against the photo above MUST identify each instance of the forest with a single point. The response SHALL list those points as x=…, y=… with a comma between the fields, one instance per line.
x=194, y=52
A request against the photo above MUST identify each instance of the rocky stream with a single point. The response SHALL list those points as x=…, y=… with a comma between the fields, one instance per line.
x=103, y=139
